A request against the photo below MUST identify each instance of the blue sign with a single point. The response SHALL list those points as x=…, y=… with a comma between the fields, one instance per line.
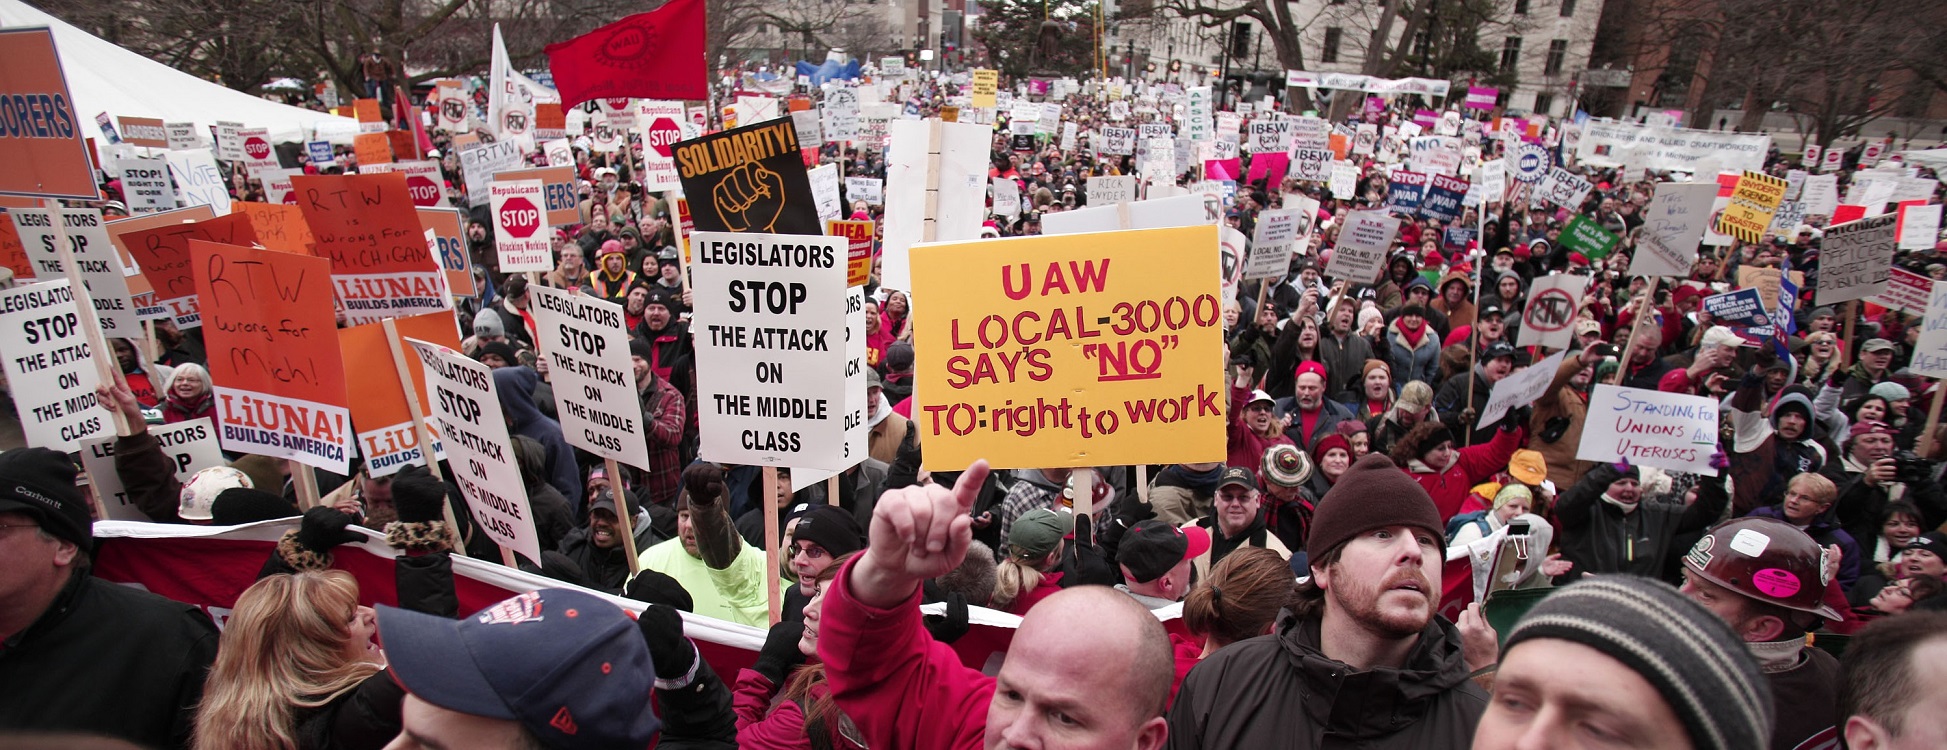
x=1404, y=192
x=320, y=151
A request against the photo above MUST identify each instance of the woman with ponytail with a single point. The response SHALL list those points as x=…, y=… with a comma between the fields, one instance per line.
x=1028, y=574
x=1240, y=600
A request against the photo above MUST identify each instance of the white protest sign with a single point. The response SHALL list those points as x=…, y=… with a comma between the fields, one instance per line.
x=1671, y=431
x=145, y=184
x=1108, y=191
x=1267, y=136
x=1673, y=224
x=824, y=191
x=50, y=368
x=559, y=152
x=1520, y=388
x=100, y=265
x=770, y=310
x=858, y=431
x=479, y=164
x=1118, y=141
x=182, y=135
x=918, y=173
x=190, y=447
x=1906, y=292
x=842, y=115
x=1345, y=180
x=811, y=134
x=868, y=189
x=1363, y=241
x=1155, y=213
x=1313, y=164
x=1919, y=226
x=521, y=236
x=1270, y=252
x=1820, y=194
x=1548, y=319
x=474, y=434
x=1007, y=197
x=1069, y=132
x=661, y=124
x=199, y=182
x=1856, y=259
x=1929, y=351
x=229, y=144
x=587, y=349
x=1566, y=189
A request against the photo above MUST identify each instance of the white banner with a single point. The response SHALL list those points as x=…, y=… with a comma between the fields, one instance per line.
x=770, y=366
x=1672, y=431
x=1609, y=143
x=463, y=399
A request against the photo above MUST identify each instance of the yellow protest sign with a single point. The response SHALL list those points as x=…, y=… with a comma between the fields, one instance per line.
x=1753, y=202
x=1070, y=350
x=986, y=83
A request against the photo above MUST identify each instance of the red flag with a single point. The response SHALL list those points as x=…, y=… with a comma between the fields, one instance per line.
x=654, y=55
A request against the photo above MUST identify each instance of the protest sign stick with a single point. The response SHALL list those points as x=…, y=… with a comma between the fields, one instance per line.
x=419, y=431
x=1852, y=311
x=1933, y=420
x=676, y=231
x=305, y=482
x=1474, y=346
x=151, y=346
x=831, y=490
x=84, y=305
x=1083, y=503
x=1142, y=483
x=622, y=515
x=1642, y=315
x=771, y=544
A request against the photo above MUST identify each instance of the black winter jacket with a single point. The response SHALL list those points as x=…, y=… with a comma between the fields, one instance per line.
x=1281, y=691
x=110, y=660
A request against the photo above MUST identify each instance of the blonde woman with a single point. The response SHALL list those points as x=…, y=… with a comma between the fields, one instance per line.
x=1031, y=571
x=297, y=670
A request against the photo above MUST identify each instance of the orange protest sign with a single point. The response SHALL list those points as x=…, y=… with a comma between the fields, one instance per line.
x=1340, y=145
x=401, y=142
x=163, y=253
x=279, y=226
x=858, y=260
x=548, y=116
x=138, y=284
x=380, y=414
x=40, y=135
x=369, y=229
x=146, y=132
x=367, y=110
x=12, y=255
x=372, y=148
x=280, y=386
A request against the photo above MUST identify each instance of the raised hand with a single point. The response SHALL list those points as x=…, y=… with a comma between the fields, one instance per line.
x=918, y=532
x=749, y=198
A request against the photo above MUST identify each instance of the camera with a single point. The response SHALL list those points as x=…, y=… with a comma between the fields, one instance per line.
x=1910, y=468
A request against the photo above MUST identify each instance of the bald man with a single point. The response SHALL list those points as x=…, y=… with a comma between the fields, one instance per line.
x=902, y=689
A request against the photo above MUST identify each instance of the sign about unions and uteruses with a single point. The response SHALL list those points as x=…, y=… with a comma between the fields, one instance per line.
x=1672, y=431
x=274, y=363
x=771, y=358
x=586, y=345
x=1070, y=350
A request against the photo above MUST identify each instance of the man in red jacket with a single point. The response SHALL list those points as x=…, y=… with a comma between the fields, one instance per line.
x=1056, y=689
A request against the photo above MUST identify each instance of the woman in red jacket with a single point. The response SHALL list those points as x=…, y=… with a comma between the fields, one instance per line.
x=188, y=395
x=1427, y=453
x=804, y=716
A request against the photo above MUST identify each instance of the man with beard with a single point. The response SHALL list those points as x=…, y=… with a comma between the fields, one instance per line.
x=1363, y=660
x=1310, y=413
x=612, y=278
x=597, y=546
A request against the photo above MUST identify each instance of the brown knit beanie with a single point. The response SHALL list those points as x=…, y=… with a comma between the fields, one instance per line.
x=1374, y=493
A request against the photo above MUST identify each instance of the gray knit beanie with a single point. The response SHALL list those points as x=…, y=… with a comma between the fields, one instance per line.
x=1683, y=650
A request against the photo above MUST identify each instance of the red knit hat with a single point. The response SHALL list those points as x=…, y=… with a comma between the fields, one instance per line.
x=1373, y=494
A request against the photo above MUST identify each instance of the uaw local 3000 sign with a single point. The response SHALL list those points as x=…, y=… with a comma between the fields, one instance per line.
x=1070, y=350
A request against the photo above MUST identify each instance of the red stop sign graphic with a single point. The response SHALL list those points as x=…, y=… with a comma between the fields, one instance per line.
x=519, y=217
x=257, y=148
x=616, y=105
x=290, y=198
x=662, y=134
x=425, y=194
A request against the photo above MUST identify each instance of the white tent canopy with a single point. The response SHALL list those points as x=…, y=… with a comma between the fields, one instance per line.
x=104, y=77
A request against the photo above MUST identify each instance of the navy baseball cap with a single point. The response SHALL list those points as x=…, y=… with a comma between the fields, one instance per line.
x=569, y=666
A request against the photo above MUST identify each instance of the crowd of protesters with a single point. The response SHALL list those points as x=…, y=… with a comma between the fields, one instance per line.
x=1694, y=610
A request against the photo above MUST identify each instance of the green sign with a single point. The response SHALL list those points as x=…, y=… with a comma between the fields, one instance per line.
x=1588, y=238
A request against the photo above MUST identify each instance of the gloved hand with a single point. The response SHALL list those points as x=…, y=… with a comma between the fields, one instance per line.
x=780, y=654
x=1621, y=467
x=662, y=630
x=1517, y=418
x=418, y=495
x=1720, y=460
x=704, y=482
x=324, y=528
x=1839, y=377
x=949, y=627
